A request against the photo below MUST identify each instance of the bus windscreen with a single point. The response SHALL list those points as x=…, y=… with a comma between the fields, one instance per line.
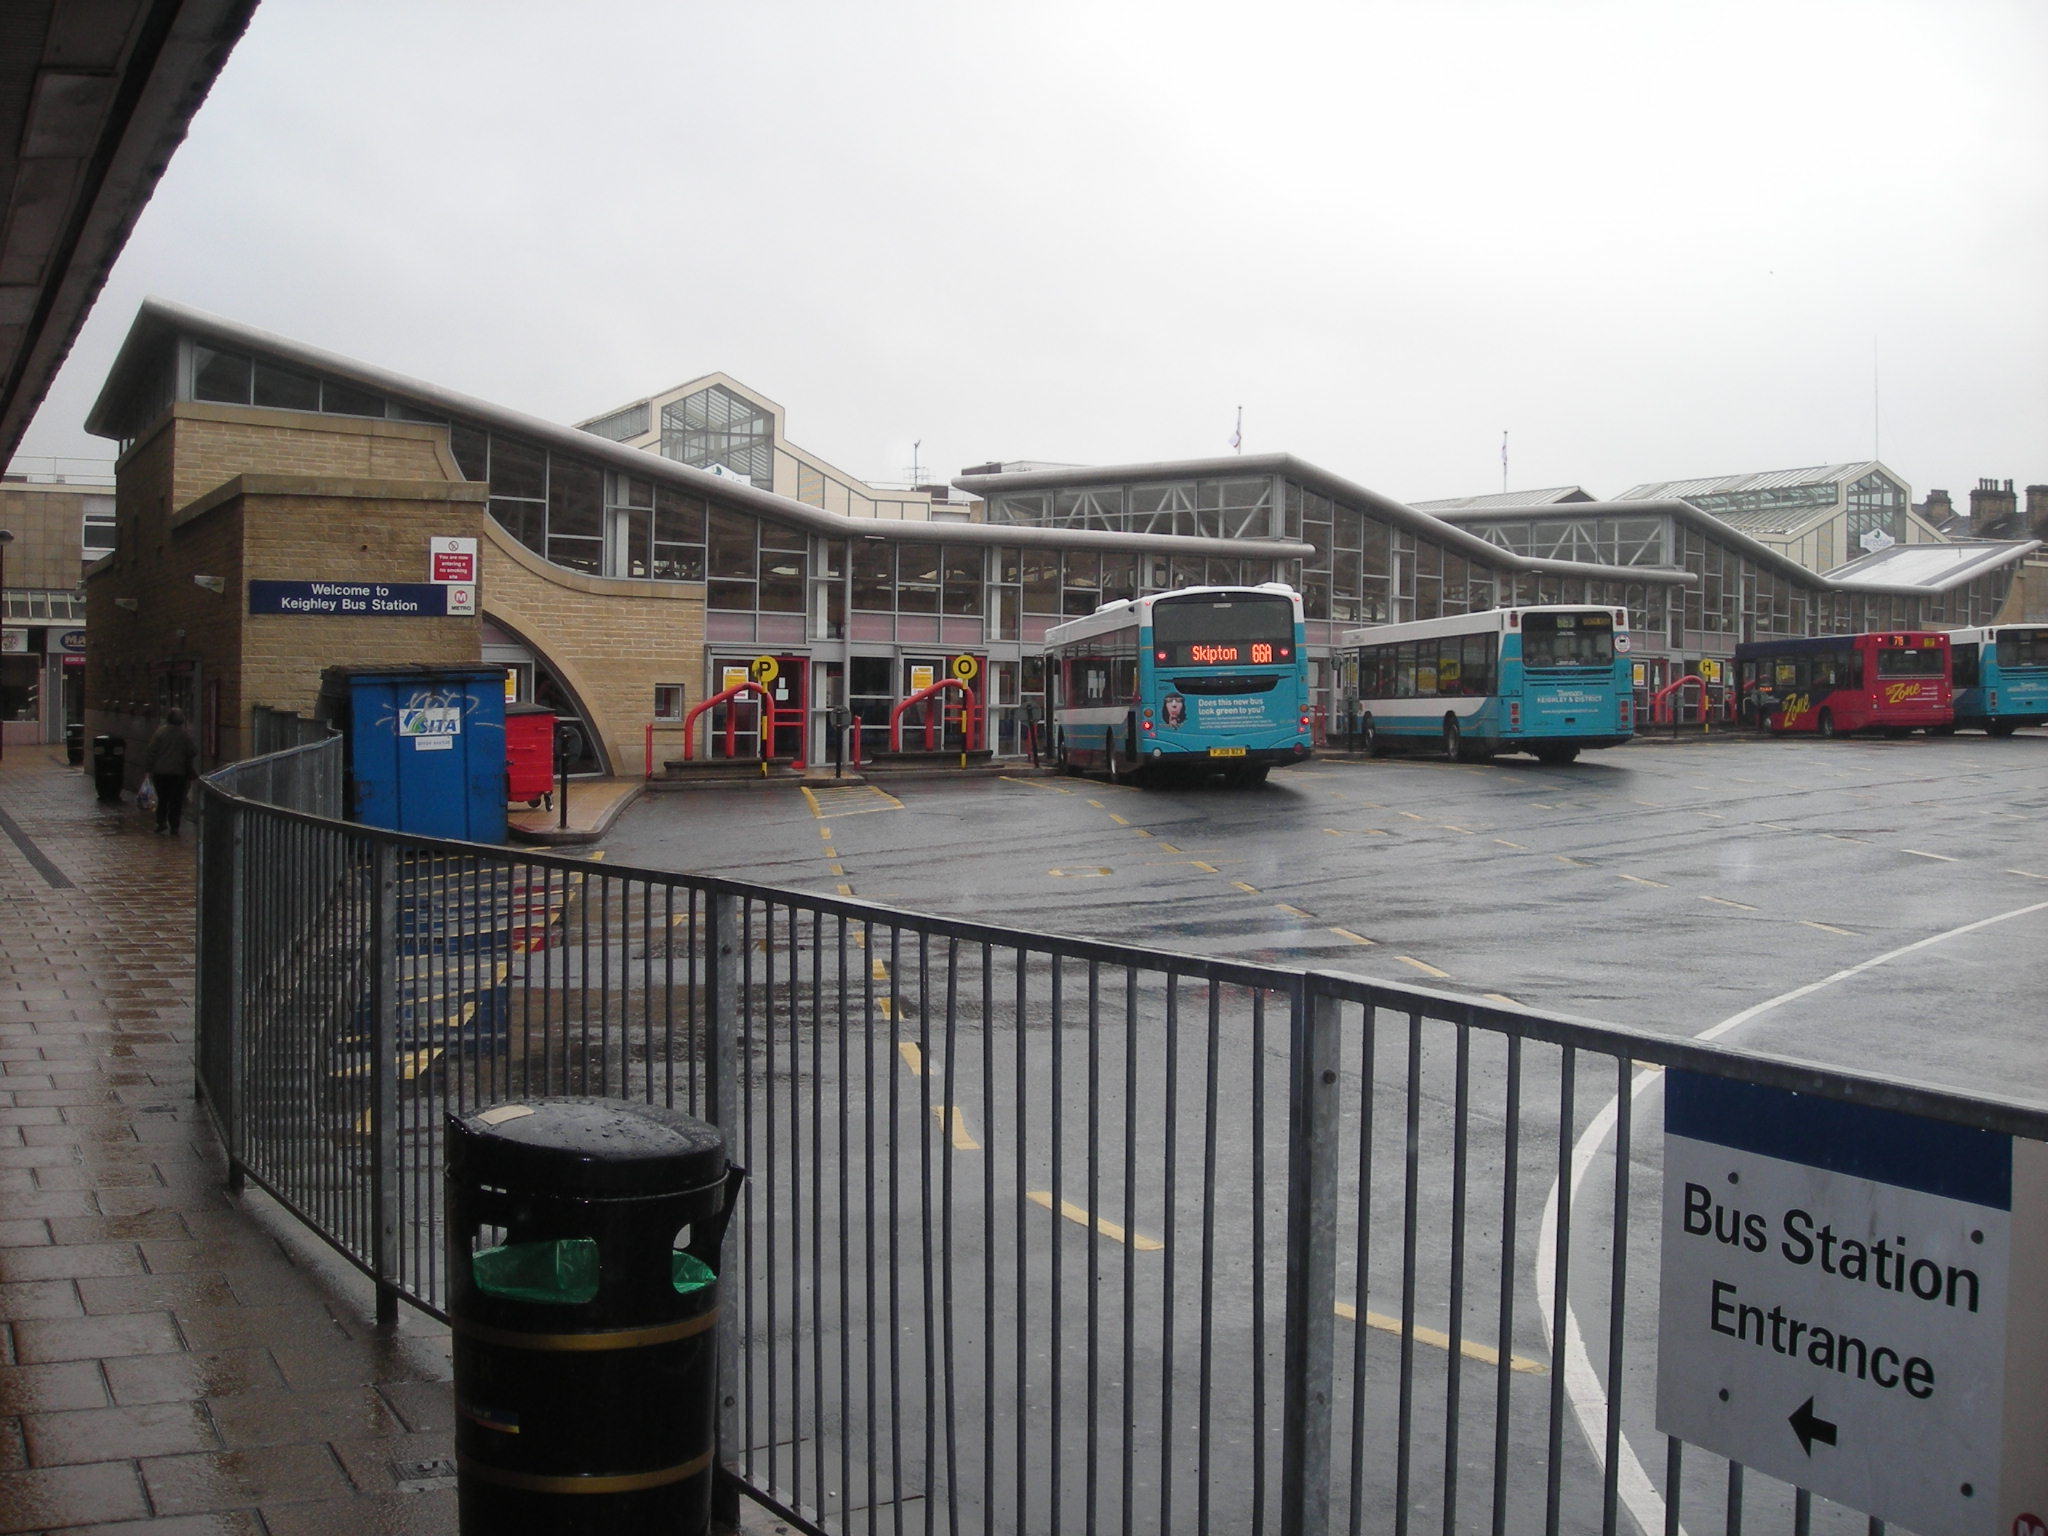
x=1223, y=632
x=1568, y=639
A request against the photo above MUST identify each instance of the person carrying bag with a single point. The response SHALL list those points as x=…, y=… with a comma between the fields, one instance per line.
x=169, y=759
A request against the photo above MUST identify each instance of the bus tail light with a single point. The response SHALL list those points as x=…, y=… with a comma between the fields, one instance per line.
x=1628, y=714
x=1514, y=715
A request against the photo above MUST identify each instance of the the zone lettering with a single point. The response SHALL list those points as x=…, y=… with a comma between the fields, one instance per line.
x=1884, y=1264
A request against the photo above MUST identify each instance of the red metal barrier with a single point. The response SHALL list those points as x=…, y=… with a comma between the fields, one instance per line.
x=768, y=719
x=1662, y=713
x=970, y=716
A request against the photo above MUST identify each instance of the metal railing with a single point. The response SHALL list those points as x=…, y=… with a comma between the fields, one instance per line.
x=1040, y=1234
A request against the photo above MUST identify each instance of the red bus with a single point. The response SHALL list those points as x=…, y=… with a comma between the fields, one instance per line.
x=1893, y=681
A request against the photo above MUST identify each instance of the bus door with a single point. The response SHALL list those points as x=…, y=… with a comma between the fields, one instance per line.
x=921, y=672
x=787, y=679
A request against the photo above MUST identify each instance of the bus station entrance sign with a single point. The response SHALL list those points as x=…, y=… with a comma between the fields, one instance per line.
x=1837, y=1303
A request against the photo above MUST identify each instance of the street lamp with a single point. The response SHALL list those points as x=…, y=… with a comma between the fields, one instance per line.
x=6, y=538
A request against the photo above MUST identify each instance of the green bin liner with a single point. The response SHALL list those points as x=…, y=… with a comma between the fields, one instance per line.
x=689, y=1273
x=563, y=1272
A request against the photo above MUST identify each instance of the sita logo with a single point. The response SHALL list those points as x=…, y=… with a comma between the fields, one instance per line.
x=2029, y=1525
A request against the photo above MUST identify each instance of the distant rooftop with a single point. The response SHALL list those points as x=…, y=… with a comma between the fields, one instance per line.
x=1556, y=495
x=1928, y=565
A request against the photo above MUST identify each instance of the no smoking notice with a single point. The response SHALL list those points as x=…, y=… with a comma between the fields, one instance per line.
x=1835, y=1303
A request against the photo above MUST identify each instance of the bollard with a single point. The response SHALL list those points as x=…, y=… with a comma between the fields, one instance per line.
x=583, y=1243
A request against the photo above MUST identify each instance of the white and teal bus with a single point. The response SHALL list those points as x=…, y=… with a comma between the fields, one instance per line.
x=1206, y=680
x=2001, y=677
x=1550, y=680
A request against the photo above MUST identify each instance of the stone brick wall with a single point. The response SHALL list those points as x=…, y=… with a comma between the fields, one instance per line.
x=611, y=641
x=250, y=495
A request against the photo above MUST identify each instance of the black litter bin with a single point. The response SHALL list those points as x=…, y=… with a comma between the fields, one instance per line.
x=74, y=744
x=583, y=1245
x=109, y=766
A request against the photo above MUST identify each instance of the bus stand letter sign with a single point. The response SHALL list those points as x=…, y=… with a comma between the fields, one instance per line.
x=763, y=669
x=1850, y=1302
x=965, y=667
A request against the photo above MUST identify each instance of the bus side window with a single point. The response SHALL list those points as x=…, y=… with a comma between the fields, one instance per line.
x=1479, y=664
x=1126, y=677
x=1965, y=664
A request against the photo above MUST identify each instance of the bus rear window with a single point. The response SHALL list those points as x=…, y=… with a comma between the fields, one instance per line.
x=1567, y=639
x=1230, y=631
x=2023, y=648
x=1916, y=662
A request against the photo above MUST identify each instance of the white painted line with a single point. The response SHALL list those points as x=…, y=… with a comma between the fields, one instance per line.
x=1920, y=854
x=1807, y=922
x=1582, y=1383
x=1639, y=880
x=1723, y=901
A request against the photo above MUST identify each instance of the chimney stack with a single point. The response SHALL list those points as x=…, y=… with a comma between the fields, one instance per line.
x=1994, y=510
x=2037, y=512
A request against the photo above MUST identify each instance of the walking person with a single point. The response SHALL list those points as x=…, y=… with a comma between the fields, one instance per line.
x=169, y=759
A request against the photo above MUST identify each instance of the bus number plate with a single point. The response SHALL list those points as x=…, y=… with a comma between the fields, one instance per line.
x=1226, y=751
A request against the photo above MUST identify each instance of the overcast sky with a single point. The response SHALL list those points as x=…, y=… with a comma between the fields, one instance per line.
x=1648, y=240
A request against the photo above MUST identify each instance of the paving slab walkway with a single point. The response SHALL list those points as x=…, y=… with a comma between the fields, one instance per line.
x=172, y=1359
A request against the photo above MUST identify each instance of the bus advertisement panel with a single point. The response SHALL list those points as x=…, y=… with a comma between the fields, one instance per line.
x=1894, y=681
x=1551, y=680
x=1206, y=680
x=2001, y=677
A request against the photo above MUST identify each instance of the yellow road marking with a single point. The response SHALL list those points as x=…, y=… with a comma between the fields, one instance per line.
x=888, y=1007
x=1058, y=789
x=1078, y=874
x=1096, y=803
x=1723, y=901
x=836, y=867
x=957, y=1125
x=1281, y=906
x=1562, y=859
x=1169, y=848
x=1437, y=1339
x=1466, y=830
x=1108, y=1229
x=913, y=1058
x=1141, y=832
x=1206, y=868
x=1830, y=928
x=881, y=970
x=845, y=890
x=825, y=832
x=1639, y=880
x=1413, y=817
x=1249, y=890
x=1118, y=819
x=1521, y=847
x=1944, y=857
x=1356, y=938
x=1426, y=969
x=851, y=791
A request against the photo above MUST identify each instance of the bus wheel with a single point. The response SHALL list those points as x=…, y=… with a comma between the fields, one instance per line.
x=1454, y=739
x=1824, y=724
x=1374, y=747
x=1557, y=755
x=1995, y=728
x=1067, y=765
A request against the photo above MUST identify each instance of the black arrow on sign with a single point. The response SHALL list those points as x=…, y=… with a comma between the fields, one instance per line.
x=1810, y=1426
